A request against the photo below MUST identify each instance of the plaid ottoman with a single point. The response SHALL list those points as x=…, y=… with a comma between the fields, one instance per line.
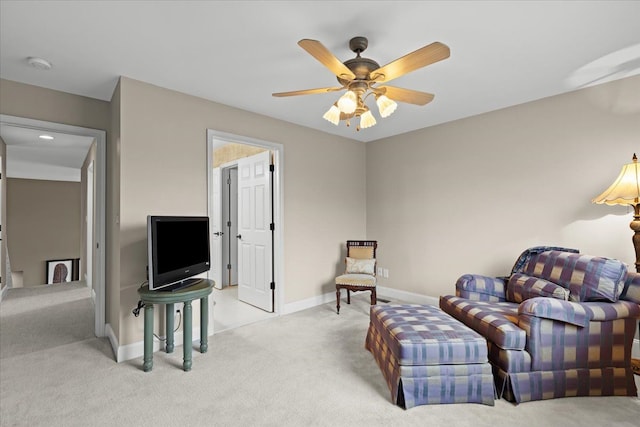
x=428, y=357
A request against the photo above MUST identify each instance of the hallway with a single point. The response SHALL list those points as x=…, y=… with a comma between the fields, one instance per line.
x=38, y=318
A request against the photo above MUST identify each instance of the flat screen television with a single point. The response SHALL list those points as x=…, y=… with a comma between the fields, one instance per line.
x=178, y=249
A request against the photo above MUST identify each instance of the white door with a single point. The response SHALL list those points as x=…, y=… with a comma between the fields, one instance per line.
x=89, y=222
x=215, y=271
x=254, y=231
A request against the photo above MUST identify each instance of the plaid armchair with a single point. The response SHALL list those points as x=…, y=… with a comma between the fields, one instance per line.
x=562, y=324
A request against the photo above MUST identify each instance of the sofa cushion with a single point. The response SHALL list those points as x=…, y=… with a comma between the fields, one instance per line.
x=419, y=335
x=497, y=321
x=588, y=278
x=356, y=280
x=480, y=288
x=523, y=287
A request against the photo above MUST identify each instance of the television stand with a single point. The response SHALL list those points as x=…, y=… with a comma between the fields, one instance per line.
x=200, y=290
x=181, y=285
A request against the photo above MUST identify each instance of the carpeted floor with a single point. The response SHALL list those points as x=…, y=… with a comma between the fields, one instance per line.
x=308, y=368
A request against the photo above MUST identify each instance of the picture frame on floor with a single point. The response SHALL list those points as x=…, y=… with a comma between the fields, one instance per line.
x=60, y=270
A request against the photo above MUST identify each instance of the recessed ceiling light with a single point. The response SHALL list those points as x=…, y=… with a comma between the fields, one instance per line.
x=45, y=137
x=39, y=63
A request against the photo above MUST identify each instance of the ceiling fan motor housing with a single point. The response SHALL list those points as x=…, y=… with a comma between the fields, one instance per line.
x=359, y=66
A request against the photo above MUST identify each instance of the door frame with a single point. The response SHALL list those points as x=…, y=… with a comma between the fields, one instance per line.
x=89, y=244
x=217, y=138
x=100, y=136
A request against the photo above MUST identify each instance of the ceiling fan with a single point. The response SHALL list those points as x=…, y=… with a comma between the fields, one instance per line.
x=362, y=77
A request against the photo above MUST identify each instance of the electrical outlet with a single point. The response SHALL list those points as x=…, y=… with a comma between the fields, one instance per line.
x=385, y=273
x=177, y=308
x=379, y=271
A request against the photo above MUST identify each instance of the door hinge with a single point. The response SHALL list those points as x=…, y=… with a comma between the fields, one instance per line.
x=228, y=266
x=228, y=181
x=272, y=168
x=272, y=226
x=228, y=223
x=273, y=285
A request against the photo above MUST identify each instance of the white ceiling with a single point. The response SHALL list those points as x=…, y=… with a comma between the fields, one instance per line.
x=30, y=157
x=238, y=53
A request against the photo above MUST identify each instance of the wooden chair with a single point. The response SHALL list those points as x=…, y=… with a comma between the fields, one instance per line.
x=360, y=271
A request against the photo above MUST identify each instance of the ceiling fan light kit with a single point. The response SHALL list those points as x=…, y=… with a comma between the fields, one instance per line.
x=386, y=106
x=362, y=77
x=333, y=115
x=367, y=120
x=348, y=102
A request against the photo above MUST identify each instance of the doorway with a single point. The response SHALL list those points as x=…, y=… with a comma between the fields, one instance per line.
x=99, y=207
x=246, y=261
x=230, y=226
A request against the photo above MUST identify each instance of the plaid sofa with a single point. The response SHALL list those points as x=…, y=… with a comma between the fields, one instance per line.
x=561, y=324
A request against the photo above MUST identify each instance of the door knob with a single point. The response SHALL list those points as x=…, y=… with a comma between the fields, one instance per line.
x=239, y=236
x=218, y=233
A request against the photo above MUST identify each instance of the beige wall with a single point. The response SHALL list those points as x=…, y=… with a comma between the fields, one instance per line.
x=163, y=171
x=22, y=100
x=4, y=274
x=43, y=223
x=470, y=195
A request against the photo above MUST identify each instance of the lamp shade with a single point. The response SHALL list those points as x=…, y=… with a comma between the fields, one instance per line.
x=333, y=115
x=625, y=190
x=367, y=120
x=348, y=102
x=386, y=106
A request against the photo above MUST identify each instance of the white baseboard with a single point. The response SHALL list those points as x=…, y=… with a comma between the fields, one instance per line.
x=405, y=296
x=304, y=304
x=136, y=349
x=381, y=291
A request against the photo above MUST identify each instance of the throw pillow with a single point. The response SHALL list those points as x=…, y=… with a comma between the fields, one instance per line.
x=361, y=266
x=588, y=278
x=523, y=287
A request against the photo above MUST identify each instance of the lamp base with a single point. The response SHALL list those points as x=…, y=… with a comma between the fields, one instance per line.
x=635, y=366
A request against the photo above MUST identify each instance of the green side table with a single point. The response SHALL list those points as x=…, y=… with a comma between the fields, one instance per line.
x=199, y=290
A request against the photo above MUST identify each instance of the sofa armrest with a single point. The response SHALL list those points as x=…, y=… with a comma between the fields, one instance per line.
x=578, y=313
x=631, y=289
x=481, y=288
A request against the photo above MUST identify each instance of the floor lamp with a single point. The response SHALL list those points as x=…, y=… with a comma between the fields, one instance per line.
x=625, y=190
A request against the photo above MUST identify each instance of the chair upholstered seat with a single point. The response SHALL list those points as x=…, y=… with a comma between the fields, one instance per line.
x=356, y=280
x=360, y=270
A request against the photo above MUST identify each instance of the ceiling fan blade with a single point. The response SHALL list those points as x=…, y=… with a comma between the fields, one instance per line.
x=412, y=61
x=326, y=58
x=308, y=91
x=407, y=95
